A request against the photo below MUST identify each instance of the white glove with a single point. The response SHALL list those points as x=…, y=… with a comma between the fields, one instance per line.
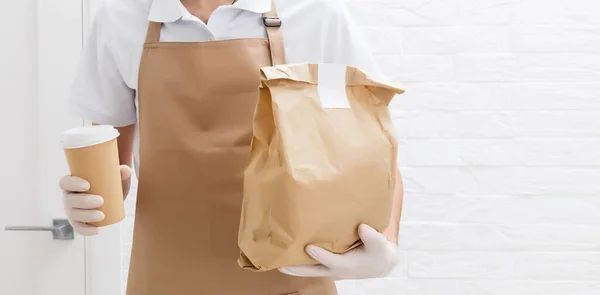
x=376, y=258
x=80, y=207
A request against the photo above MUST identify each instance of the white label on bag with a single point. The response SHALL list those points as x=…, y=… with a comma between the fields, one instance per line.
x=332, y=86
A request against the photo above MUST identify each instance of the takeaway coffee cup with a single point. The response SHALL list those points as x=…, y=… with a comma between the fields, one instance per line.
x=92, y=154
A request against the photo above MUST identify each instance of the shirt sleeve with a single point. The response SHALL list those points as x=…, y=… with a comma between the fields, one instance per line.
x=350, y=45
x=99, y=93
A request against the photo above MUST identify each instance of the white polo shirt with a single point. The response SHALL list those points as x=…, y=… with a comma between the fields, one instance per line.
x=104, y=90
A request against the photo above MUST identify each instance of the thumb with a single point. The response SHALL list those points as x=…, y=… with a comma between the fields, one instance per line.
x=125, y=172
x=323, y=256
x=371, y=238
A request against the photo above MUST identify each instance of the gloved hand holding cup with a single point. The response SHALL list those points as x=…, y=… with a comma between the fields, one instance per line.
x=93, y=193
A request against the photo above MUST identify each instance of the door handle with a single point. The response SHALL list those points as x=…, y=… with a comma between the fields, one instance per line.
x=61, y=229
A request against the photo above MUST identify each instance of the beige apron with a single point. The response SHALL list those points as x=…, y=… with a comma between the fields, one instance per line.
x=196, y=103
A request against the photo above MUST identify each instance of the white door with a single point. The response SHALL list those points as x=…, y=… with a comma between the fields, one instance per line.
x=40, y=46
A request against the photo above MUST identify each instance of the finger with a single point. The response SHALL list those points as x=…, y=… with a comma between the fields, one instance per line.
x=371, y=238
x=306, y=271
x=86, y=215
x=73, y=184
x=323, y=256
x=85, y=229
x=125, y=172
x=83, y=201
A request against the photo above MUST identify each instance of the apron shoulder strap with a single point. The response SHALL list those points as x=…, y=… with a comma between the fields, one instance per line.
x=272, y=24
x=153, y=35
x=273, y=27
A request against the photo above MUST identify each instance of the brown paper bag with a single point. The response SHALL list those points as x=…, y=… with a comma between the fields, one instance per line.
x=314, y=173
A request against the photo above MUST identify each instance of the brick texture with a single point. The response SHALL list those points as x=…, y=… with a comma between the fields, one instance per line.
x=499, y=135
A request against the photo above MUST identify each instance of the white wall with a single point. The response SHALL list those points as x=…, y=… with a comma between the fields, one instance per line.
x=499, y=144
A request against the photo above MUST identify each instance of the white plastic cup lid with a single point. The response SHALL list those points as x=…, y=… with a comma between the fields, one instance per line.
x=88, y=136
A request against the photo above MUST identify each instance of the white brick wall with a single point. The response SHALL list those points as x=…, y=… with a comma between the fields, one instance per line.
x=499, y=145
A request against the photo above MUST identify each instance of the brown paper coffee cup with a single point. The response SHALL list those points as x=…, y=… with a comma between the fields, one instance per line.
x=92, y=154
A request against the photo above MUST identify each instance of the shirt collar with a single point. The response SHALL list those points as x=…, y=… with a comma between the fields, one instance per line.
x=166, y=11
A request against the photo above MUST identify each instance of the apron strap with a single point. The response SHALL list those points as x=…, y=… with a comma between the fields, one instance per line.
x=153, y=35
x=273, y=26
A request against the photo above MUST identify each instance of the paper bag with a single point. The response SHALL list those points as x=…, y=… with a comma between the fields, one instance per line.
x=319, y=166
